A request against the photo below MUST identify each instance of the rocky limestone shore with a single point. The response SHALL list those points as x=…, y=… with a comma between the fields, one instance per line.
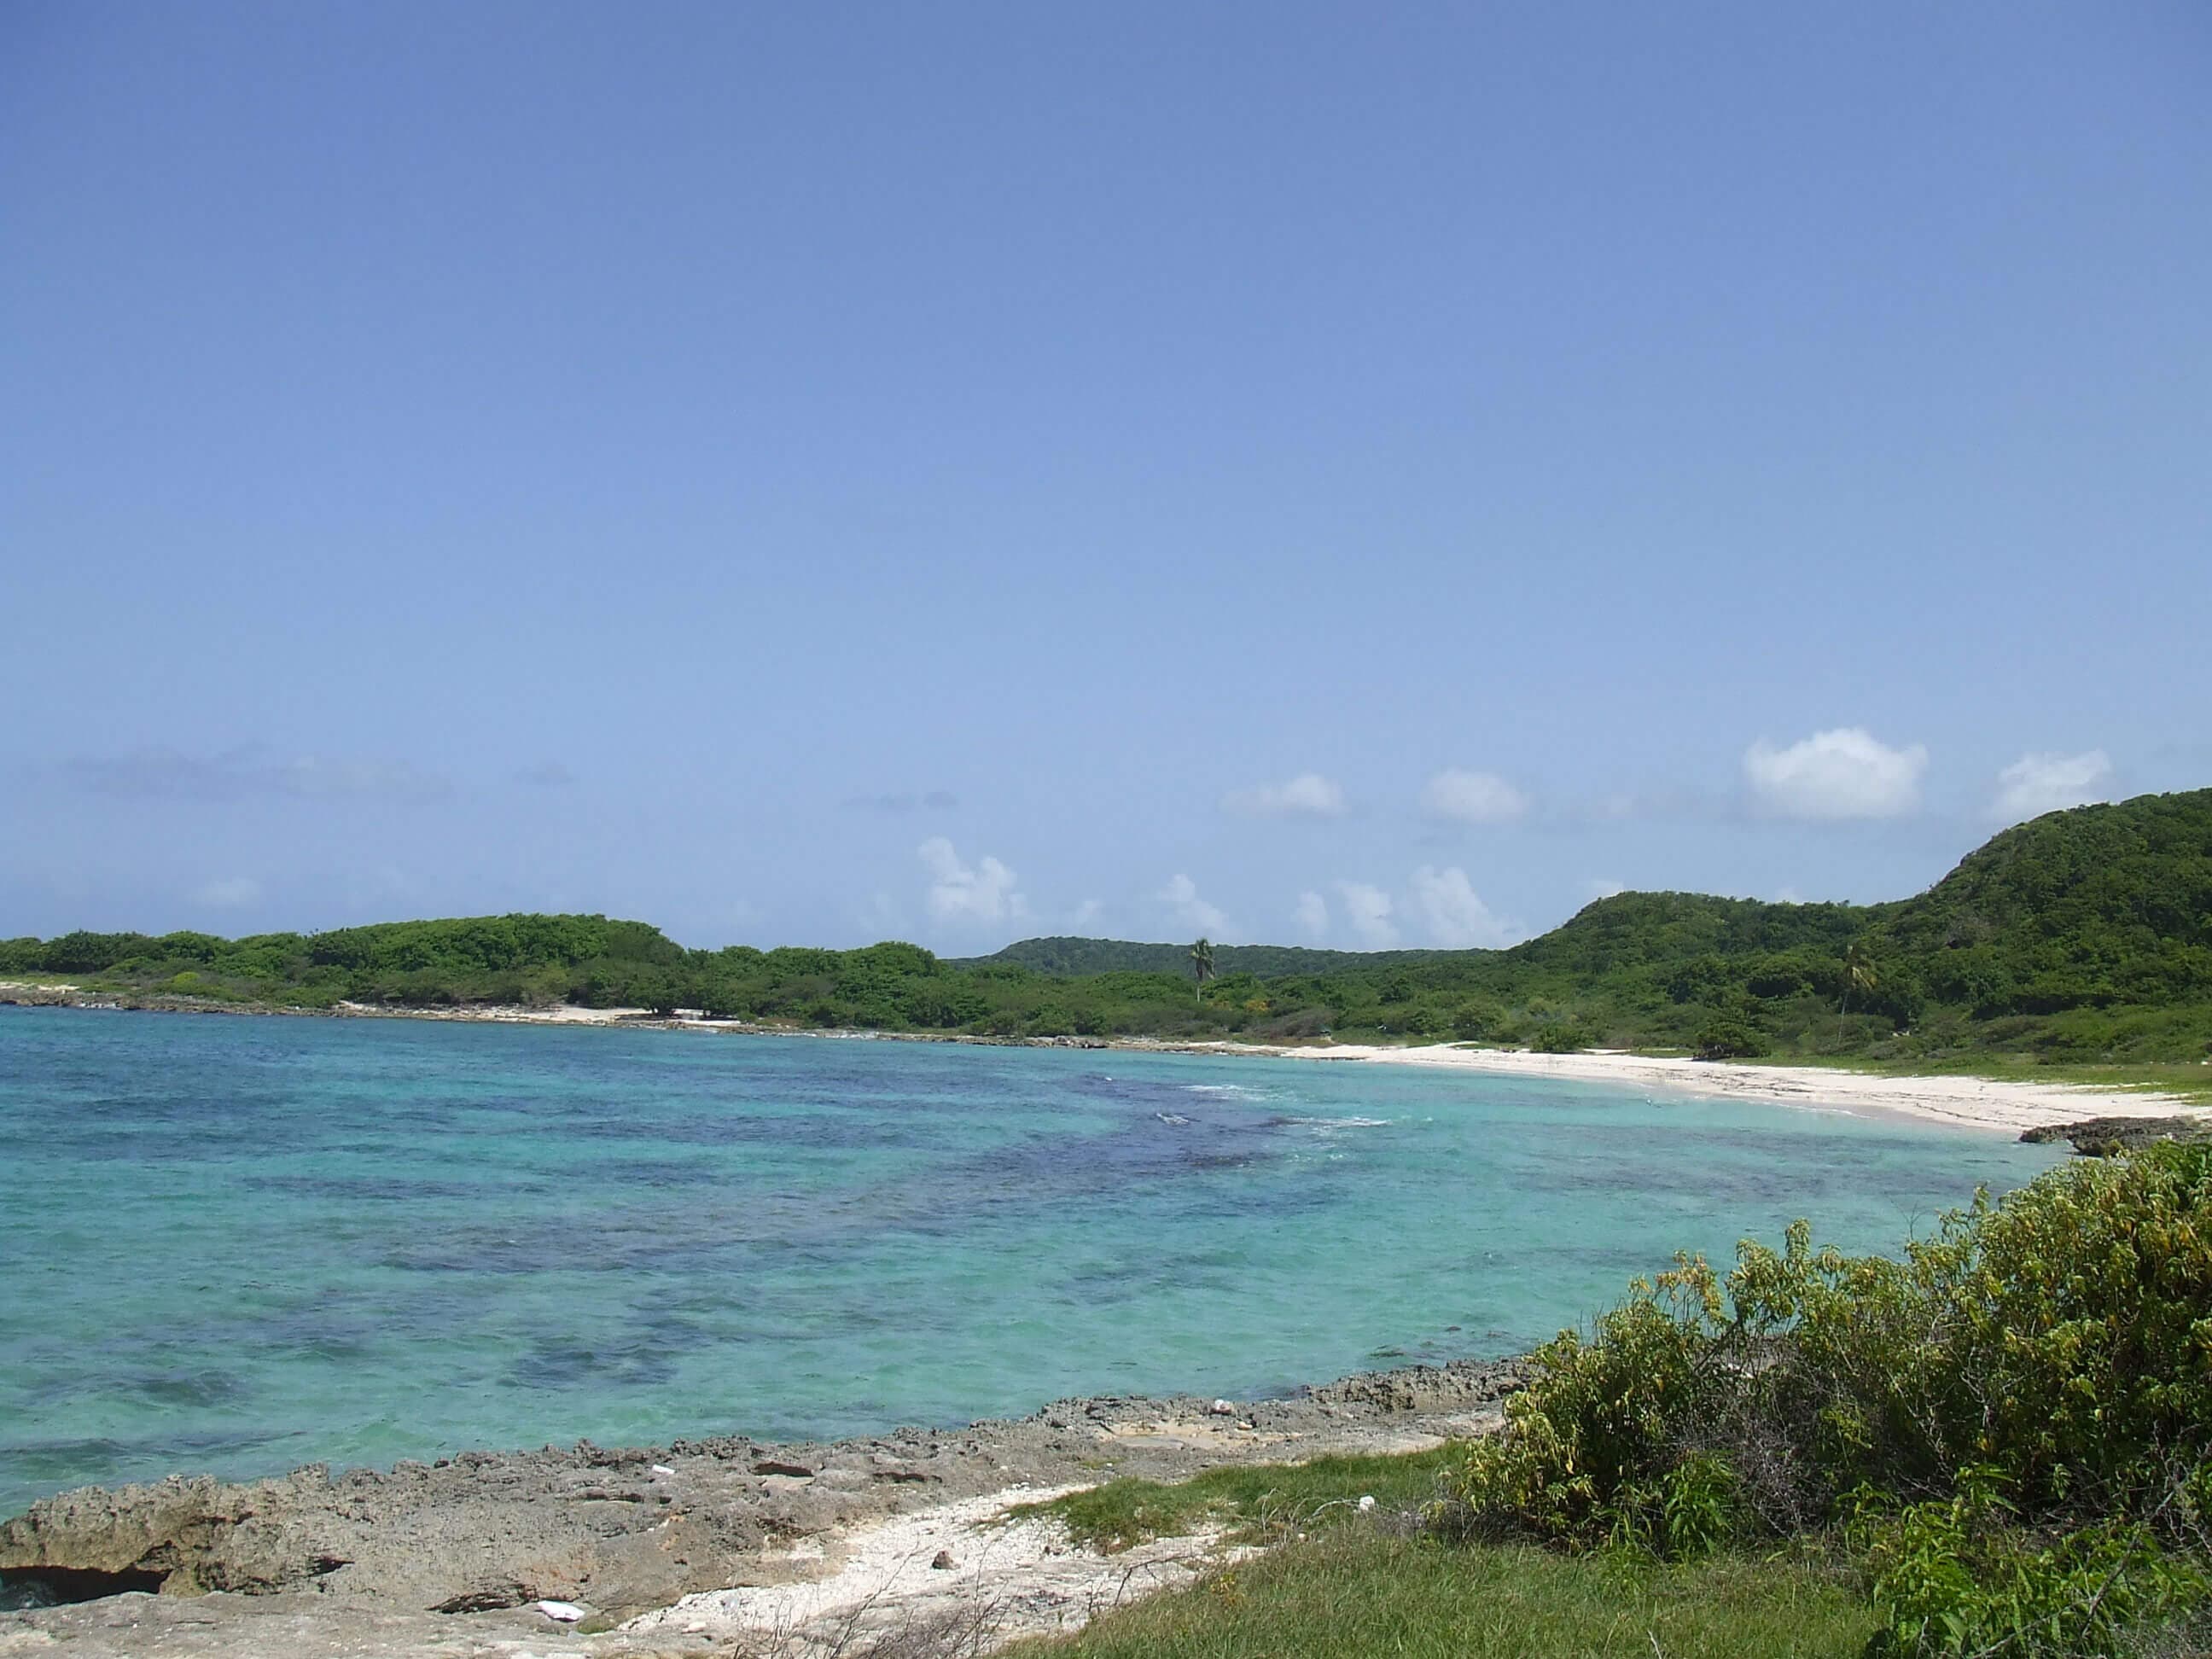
x=2104, y=1137
x=484, y=1536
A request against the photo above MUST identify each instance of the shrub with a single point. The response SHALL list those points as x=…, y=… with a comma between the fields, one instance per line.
x=2059, y=1340
x=1472, y=1021
x=1962, y=1576
x=1730, y=1039
x=1306, y=1023
x=1562, y=1036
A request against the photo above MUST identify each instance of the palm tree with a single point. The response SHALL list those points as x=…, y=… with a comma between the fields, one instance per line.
x=1201, y=965
x=1859, y=975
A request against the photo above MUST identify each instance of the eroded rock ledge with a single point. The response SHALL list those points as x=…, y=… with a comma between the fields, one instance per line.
x=628, y=1529
x=2102, y=1137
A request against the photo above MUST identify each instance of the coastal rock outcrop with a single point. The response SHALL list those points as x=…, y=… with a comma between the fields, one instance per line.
x=182, y=1536
x=480, y=1531
x=2101, y=1137
x=624, y=1531
x=1458, y=1386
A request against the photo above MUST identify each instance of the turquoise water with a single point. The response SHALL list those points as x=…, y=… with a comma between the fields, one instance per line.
x=238, y=1245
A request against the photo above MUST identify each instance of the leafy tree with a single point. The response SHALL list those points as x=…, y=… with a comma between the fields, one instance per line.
x=1723, y=1038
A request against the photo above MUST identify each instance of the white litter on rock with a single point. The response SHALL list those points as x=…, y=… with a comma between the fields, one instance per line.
x=567, y=1612
x=662, y=1468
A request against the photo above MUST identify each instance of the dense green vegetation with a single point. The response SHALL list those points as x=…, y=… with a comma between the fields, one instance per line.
x=2083, y=938
x=2011, y=1427
x=2001, y=1444
x=1071, y=958
x=520, y=959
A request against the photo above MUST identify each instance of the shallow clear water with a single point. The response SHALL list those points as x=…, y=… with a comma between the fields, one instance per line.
x=241, y=1244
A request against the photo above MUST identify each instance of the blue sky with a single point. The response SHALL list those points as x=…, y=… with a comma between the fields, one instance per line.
x=1359, y=474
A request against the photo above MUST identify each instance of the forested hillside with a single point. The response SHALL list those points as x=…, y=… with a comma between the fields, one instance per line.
x=2083, y=936
x=2089, y=908
x=1071, y=959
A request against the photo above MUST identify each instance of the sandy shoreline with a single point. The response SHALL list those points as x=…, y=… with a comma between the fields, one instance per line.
x=1972, y=1103
x=1993, y=1104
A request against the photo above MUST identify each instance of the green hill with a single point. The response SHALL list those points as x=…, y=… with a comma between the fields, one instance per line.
x=513, y=958
x=1067, y=957
x=2083, y=936
x=2092, y=908
x=1631, y=930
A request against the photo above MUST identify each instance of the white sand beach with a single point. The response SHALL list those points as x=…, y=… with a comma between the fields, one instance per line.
x=1997, y=1105
x=1976, y=1103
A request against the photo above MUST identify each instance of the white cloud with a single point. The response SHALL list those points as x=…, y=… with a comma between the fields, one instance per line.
x=229, y=892
x=1472, y=798
x=1308, y=795
x=1313, y=915
x=1789, y=896
x=1843, y=774
x=2036, y=784
x=1457, y=918
x=1190, y=909
x=1085, y=914
x=1369, y=910
x=1603, y=887
x=959, y=892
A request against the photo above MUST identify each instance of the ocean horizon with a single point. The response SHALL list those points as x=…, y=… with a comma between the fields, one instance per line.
x=235, y=1246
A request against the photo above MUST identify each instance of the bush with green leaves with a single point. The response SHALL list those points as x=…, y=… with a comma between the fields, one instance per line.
x=1962, y=1575
x=1559, y=1036
x=2061, y=1338
x=1731, y=1039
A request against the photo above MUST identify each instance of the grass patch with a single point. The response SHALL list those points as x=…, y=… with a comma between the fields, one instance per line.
x=1355, y=1591
x=1255, y=1499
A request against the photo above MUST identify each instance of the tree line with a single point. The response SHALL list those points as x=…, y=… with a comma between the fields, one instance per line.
x=2084, y=935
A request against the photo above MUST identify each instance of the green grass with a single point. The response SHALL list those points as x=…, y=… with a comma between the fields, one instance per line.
x=1254, y=1499
x=1355, y=1591
x=1337, y=1584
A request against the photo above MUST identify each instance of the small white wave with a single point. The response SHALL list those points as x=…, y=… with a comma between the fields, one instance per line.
x=1172, y=1117
x=1241, y=1092
x=1328, y=1125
